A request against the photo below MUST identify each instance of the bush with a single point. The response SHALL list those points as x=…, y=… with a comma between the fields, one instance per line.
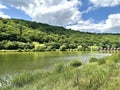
x=79, y=48
x=22, y=79
x=101, y=61
x=59, y=68
x=63, y=48
x=40, y=47
x=75, y=63
x=28, y=46
x=49, y=48
x=19, y=50
x=93, y=59
x=10, y=45
x=94, y=48
x=116, y=58
x=4, y=82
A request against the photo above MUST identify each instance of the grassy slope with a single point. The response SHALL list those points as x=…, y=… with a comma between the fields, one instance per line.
x=98, y=75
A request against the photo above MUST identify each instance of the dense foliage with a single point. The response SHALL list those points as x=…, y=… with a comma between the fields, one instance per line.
x=21, y=34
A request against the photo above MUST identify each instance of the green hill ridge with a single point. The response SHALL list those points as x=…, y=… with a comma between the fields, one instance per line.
x=21, y=34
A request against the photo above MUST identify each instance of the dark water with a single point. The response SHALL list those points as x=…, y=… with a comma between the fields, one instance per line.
x=15, y=62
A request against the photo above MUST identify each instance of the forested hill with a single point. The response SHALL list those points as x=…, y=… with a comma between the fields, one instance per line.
x=22, y=34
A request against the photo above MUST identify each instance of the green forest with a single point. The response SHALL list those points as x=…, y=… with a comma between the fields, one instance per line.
x=16, y=34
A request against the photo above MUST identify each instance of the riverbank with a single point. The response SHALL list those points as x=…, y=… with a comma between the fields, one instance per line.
x=102, y=74
x=69, y=50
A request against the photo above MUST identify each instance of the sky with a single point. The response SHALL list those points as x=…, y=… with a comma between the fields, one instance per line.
x=98, y=16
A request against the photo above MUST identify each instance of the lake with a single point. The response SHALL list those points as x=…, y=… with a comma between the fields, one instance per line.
x=15, y=62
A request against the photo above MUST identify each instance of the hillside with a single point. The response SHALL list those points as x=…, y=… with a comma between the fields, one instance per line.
x=22, y=34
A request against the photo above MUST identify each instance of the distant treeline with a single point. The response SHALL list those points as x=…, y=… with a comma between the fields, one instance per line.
x=21, y=34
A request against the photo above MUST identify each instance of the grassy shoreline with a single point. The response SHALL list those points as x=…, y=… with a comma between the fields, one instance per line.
x=100, y=74
x=69, y=50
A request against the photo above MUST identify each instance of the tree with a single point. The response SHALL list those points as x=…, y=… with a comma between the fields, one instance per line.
x=63, y=48
x=40, y=47
x=79, y=48
x=94, y=48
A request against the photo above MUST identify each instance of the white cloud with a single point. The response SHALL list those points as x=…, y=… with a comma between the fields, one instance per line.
x=65, y=13
x=110, y=25
x=2, y=14
x=105, y=3
x=55, y=12
x=91, y=8
x=101, y=3
x=2, y=6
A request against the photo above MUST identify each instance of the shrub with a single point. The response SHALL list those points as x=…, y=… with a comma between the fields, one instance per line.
x=49, y=48
x=116, y=58
x=59, y=68
x=10, y=45
x=22, y=79
x=94, y=48
x=28, y=46
x=75, y=63
x=101, y=61
x=79, y=48
x=19, y=50
x=40, y=47
x=93, y=59
x=63, y=48
x=4, y=82
x=72, y=46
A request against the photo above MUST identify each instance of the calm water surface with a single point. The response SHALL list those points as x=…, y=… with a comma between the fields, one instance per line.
x=15, y=62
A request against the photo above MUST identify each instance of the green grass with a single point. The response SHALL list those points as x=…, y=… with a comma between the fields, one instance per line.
x=99, y=75
x=93, y=59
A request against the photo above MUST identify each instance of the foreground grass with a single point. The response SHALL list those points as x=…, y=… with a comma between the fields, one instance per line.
x=102, y=74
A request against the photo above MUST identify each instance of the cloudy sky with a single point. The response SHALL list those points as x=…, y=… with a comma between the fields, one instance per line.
x=101, y=16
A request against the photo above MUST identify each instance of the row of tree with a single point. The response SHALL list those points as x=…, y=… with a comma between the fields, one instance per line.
x=21, y=34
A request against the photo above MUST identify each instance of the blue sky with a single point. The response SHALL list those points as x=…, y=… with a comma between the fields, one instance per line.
x=100, y=16
x=16, y=13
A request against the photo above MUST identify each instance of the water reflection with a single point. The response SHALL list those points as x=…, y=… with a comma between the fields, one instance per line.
x=14, y=62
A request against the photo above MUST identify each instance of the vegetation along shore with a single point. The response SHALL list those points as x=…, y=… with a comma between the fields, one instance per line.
x=98, y=74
